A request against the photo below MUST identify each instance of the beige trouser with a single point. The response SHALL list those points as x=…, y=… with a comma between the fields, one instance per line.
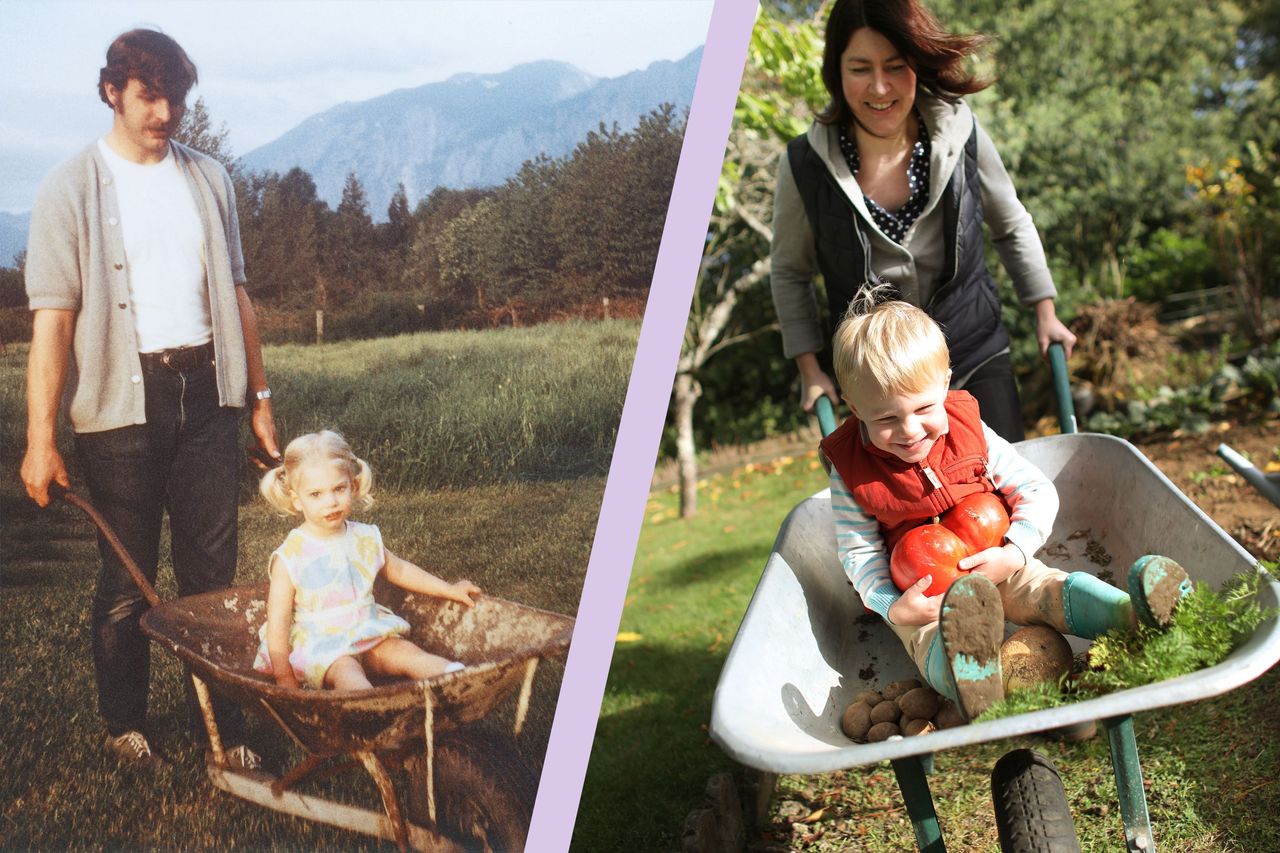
x=1031, y=596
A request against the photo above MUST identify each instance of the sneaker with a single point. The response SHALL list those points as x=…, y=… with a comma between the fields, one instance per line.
x=132, y=750
x=972, y=628
x=1156, y=586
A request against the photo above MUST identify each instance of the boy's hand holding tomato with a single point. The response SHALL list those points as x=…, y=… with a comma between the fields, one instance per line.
x=967, y=539
x=914, y=607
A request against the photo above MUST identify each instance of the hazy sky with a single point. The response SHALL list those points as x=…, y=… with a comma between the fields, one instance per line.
x=265, y=66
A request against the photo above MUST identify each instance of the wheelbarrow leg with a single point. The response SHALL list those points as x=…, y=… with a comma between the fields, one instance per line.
x=210, y=722
x=1133, y=799
x=915, y=791
x=390, y=801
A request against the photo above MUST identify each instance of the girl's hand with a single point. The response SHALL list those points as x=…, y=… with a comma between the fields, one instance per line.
x=288, y=679
x=461, y=592
x=914, y=607
x=996, y=563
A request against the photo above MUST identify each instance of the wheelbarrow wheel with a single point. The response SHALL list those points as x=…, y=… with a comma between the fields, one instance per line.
x=1032, y=813
x=484, y=792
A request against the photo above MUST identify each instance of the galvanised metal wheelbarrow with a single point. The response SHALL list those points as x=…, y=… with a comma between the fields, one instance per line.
x=802, y=653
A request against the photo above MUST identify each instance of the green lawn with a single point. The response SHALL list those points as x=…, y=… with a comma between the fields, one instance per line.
x=465, y=432
x=1211, y=766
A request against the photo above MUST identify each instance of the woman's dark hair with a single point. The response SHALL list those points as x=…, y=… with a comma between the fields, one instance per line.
x=151, y=57
x=937, y=56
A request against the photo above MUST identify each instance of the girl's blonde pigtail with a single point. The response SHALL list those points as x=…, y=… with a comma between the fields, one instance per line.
x=274, y=487
x=363, y=497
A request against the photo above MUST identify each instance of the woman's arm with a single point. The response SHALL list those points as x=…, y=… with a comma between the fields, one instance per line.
x=1018, y=243
x=280, y=623
x=793, y=264
x=406, y=575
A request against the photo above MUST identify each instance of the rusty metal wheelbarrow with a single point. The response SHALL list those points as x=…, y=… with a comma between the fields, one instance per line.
x=465, y=789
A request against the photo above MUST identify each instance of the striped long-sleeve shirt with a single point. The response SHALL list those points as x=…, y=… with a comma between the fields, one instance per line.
x=1032, y=499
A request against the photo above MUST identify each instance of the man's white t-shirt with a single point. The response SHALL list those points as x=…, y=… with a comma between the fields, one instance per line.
x=164, y=251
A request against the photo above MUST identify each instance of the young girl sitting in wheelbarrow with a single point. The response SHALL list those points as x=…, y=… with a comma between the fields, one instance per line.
x=912, y=450
x=323, y=627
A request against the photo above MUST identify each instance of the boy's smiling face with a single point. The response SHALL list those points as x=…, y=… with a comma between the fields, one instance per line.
x=906, y=425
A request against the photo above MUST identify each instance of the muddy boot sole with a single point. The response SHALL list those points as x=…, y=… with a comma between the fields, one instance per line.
x=972, y=629
x=1156, y=586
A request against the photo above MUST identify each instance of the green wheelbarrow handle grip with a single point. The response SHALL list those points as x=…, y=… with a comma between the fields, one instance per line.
x=1062, y=388
x=826, y=415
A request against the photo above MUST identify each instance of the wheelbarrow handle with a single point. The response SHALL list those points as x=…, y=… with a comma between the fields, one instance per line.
x=826, y=415
x=67, y=496
x=1062, y=388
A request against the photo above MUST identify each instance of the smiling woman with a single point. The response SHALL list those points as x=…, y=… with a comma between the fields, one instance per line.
x=893, y=182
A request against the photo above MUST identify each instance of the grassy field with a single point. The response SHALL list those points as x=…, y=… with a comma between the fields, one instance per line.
x=490, y=451
x=1211, y=766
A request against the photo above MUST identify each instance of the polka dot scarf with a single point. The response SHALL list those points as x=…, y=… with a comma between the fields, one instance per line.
x=895, y=225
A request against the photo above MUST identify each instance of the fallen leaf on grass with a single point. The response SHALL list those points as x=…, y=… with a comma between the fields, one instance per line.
x=629, y=637
x=814, y=816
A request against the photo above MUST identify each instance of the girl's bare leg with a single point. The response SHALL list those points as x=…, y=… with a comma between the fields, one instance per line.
x=399, y=657
x=345, y=673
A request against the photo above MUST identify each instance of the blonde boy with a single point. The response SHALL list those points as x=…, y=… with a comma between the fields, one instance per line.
x=911, y=450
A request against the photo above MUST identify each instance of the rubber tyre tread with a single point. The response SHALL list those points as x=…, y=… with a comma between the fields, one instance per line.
x=484, y=791
x=1032, y=812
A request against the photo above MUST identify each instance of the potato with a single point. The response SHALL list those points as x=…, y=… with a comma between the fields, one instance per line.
x=919, y=704
x=871, y=697
x=948, y=716
x=918, y=727
x=886, y=712
x=882, y=731
x=1033, y=655
x=897, y=688
x=856, y=720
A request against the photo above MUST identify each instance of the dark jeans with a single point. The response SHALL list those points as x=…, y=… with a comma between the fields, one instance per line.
x=183, y=460
x=992, y=385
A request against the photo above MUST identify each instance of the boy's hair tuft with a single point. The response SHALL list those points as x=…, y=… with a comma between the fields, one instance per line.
x=887, y=346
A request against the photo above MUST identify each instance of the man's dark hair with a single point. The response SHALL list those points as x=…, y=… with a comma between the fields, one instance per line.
x=152, y=58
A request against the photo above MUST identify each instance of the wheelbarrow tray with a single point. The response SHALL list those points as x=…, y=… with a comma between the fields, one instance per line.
x=216, y=634
x=807, y=646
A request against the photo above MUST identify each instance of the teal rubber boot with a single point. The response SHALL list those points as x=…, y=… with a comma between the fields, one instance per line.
x=972, y=630
x=1091, y=607
x=1157, y=584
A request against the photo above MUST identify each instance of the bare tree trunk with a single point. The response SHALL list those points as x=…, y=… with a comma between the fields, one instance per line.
x=687, y=391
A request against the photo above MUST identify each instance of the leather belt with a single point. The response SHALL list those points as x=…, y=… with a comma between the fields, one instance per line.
x=178, y=359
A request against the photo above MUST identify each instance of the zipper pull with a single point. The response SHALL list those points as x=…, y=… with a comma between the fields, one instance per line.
x=931, y=477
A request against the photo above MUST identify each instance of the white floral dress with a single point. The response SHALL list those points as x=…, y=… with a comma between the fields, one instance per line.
x=334, y=613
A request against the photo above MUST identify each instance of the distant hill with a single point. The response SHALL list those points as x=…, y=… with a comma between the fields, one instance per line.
x=13, y=236
x=472, y=130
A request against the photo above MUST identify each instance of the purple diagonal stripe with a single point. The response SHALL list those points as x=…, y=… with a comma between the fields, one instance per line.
x=648, y=394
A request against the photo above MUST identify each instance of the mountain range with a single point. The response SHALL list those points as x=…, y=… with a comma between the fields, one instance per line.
x=471, y=130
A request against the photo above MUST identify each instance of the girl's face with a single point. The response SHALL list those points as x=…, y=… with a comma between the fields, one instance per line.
x=323, y=494
x=879, y=84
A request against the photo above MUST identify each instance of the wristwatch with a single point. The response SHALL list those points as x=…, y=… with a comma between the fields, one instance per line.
x=264, y=394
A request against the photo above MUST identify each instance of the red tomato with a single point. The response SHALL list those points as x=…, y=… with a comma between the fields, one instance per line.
x=979, y=520
x=929, y=549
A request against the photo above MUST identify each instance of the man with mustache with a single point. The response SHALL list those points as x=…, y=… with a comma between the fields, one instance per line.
x=143, y=330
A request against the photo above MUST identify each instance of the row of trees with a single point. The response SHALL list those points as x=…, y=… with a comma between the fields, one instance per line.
x=553, y=241
x=556, y=240
x=1145, y=147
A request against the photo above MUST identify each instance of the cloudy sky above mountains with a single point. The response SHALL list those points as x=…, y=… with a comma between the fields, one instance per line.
x=265, y=66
